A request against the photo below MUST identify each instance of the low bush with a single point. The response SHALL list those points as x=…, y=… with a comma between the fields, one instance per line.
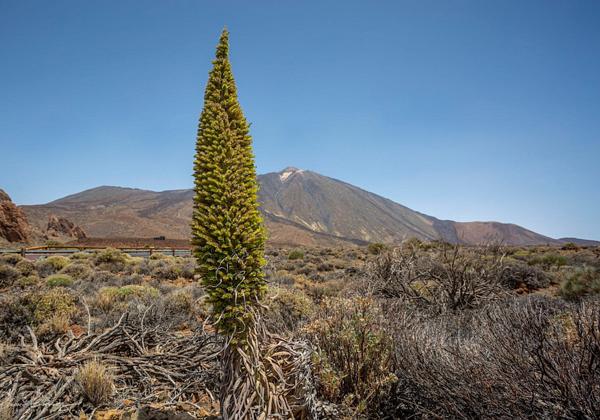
x=296, y=254
x=25, y=267
x=325, y=266
x=528, y=357
x=548, y=261
x=111, y=259
x=307, y=269
x=78, y=270
x=570, y=246
x=452, y=279
x=57, y=324
x=376, y=248
x=81, y=256
x=57, y=301
x=581, y=282
x=354, y=360
x=28, y=281
x=110, y=297
x=523, y=276
x=282, y=278
x=59, y=280
x=16, y=312
x=10, y=259
x=288, y=309
x=96, y=382
x=180, y=302
x=8, y=275
x=166, y=269
x=51, y=265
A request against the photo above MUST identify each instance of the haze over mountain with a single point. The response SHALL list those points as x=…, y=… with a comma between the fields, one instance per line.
x=300, y=207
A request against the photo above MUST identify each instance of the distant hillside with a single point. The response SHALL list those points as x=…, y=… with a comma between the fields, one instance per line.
x=580, y=242
x=300, y=207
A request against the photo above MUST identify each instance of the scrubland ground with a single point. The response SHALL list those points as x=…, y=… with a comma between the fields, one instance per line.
x=422, y=330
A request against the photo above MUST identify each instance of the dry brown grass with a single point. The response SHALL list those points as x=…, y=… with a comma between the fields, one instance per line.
x=96, y=382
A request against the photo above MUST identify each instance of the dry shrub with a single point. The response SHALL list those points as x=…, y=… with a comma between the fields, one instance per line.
x=10, y=259
x=166, y=269
x=57, y=324
x=451, y=278
x=8, y=275
x=529, y=357
x=282, y=278
x=354, y=358
x=109, y=298
x=96, y=382
x=16, y=312
x=6, y=409
x=520, y=275
x=288, y=309
x=322, y=289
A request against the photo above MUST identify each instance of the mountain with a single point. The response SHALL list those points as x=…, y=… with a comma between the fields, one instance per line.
x=300, y=208
x=13, y=223
x=579, y=241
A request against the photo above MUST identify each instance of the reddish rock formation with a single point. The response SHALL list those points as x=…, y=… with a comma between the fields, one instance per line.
x=13, y=223
x=60, y=227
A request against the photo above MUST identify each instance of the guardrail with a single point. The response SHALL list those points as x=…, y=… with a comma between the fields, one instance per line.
x=35, y=252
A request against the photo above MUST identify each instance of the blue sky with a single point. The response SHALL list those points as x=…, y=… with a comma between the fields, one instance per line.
x=464, y=110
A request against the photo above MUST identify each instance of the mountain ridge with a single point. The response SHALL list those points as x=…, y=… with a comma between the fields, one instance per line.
x=299, y=206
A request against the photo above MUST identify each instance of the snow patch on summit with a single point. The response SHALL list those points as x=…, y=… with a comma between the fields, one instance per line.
x=287, y=172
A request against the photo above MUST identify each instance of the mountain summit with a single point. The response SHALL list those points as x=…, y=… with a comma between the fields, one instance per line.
x=299, y=207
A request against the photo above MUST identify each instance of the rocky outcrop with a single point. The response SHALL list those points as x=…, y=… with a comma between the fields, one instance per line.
x=13, y=223
x=59, y=227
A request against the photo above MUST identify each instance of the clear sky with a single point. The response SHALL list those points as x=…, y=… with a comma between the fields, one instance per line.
x=464, y=110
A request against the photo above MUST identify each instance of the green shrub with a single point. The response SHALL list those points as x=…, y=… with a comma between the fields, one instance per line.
x=570, y=246
x=549, y=261
x=355, y=355
x=157, y=256
x=57, y=301
x=25, y=267
x=111, y=259
x=59, y=280
x=581, y=282
x=30, y=280
x=81, y=256
x=376, y=248
x=296, y=254
x=78, y=270
x=51, y=265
